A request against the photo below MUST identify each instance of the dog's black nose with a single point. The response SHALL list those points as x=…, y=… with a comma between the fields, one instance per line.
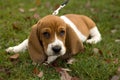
x=56, y=49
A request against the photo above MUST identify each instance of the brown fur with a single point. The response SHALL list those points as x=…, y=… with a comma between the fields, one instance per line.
x=83, y=23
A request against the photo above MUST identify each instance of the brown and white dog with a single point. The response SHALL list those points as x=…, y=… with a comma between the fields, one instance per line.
x=53, y=37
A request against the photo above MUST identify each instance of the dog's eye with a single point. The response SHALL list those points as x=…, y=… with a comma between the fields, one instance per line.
x=46, y=34
x=62, y=32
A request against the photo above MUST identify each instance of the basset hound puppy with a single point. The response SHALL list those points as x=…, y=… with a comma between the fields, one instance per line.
x=53, y=36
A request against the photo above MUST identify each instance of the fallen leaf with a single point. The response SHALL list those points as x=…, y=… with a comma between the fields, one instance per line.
x=21, y=10
x=33, y=9
x=36, y=71
x=15, y=56
x=88, y=5
x=58, y=69
x=108, y=60
x=5, y=70
x=2, y=69
x=115, y=61
x=40, y=74
x=36, y=16
x=113, y=31
x=1, y=78
x=117, y=40
x=47, y=4
x=65, y=75
x=65, y=69
x=118, y=71
x=100, y=52
x=75, y=78
x=15, y=25
x=95, y=50
x=38, y=2
x=71, y=61
x=115, y=77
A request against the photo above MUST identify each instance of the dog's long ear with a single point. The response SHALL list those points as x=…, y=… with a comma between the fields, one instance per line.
x=73, y=44
x=35, y=47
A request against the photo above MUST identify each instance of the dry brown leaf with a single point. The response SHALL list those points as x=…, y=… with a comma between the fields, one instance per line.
x=58, y=69
x=100, y=52
x=47, y=4
x=115, y=77
x=38, y=2
x=15, y=56
x=33, y=9
x=21, y=10
x=108, y=60
x=115, y=61
x=36, y=16
x=40, y=74
x=71, y=61
x=15, y=25
x=35, y=71
x=65, y=75
x=75, y=78
x=1, y=78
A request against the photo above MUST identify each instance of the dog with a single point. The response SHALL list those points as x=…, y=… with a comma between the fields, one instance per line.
x=53, y=36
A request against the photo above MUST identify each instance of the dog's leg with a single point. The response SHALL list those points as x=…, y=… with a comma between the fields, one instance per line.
x=95, y=36
x=19, y=48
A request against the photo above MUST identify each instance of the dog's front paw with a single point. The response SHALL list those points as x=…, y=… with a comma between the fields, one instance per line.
x=10, y=49
x=91, y=41
x=14, y=49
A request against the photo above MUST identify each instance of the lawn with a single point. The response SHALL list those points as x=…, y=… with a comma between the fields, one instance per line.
x=17, y=17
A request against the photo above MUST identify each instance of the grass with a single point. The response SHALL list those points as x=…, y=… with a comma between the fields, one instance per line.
x=89, y=66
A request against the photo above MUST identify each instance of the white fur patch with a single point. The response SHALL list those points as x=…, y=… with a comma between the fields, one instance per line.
x=56, y=42
x=79, y=34
x=19, y=48
x=51, y=59
x=95, y=36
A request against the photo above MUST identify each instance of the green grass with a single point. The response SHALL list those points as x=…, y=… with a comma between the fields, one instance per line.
x=89, y=66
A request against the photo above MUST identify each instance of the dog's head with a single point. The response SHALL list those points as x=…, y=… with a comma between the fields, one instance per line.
x=52, y=32
x=49, y=37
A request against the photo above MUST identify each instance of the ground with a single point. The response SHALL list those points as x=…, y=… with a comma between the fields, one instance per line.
x=98, y=62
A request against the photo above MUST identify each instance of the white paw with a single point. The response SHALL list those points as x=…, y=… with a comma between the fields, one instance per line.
x=91, y=41
x=10, y=49
x=14, y=49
